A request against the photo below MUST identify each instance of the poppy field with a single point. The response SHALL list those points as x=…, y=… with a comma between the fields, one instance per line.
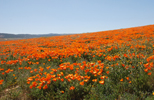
x=107, y=65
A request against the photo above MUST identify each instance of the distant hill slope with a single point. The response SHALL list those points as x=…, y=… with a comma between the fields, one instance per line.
x=7, y=35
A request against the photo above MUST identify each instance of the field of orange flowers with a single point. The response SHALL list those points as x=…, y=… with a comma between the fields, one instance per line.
x=115, y=64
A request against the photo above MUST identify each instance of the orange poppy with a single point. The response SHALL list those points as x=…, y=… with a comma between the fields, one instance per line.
x=72, y=88
x=101, y=82
x=121, y=80
x=82, y=83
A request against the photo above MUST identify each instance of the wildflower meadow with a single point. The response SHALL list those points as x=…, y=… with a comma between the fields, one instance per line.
x=107, y=65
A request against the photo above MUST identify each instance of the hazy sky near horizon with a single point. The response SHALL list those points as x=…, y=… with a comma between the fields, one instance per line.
x=73, y=16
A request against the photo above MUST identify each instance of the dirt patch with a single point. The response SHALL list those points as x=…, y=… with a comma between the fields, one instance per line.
x=14, y=93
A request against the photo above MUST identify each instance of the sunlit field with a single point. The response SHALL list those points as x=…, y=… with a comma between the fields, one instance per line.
x=107, y=65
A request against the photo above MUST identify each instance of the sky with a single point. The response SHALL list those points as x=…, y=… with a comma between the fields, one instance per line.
x=73, y=16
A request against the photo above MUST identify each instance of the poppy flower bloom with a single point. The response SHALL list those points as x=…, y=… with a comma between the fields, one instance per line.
x=86, y=80
x=54, y=79
x=94, y=80
x=107, y=72
x=72, y=88
x=30, y=86
x=127, y=78
x=35, y=70
x=82, y=83
x=62, y=91
x=45, y=87
x=1, y=82
x=102, y=77
x=121, y=80
x=99, y=61
x=28, y=82
x=48, y=82
x=149, y=73
x=101, y=82
x=39, y=87
x=146, y=70
x=62, y=79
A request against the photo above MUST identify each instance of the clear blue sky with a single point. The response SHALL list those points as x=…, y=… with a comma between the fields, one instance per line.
x=73, y=16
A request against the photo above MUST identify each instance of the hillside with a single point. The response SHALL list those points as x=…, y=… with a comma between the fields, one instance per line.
x=107, y=65
x=25, y=36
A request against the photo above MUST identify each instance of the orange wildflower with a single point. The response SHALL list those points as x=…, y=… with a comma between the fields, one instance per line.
x=102, y=77
x=107, y=72
x=86, y=80
x=37, y=63
x=54, y=79
x=31, y=71
x=39, y=87
x=45, y=87
x=35, y=70
x=99, y=61
x=82, y=83
x=62, y=91
x=94, y=80
x=127, y=78
x=34, y=84
x=1, y=82
x=149, y=73
x=123, y=65
x=121, y=80
x=146, y=70
x=48, y=67
x=28, y=82
x=69, y=80
x=72, y=88
x=62, y=79
x=61, y=73
x=48, y=82
x=101, y=82
x=30, y=86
